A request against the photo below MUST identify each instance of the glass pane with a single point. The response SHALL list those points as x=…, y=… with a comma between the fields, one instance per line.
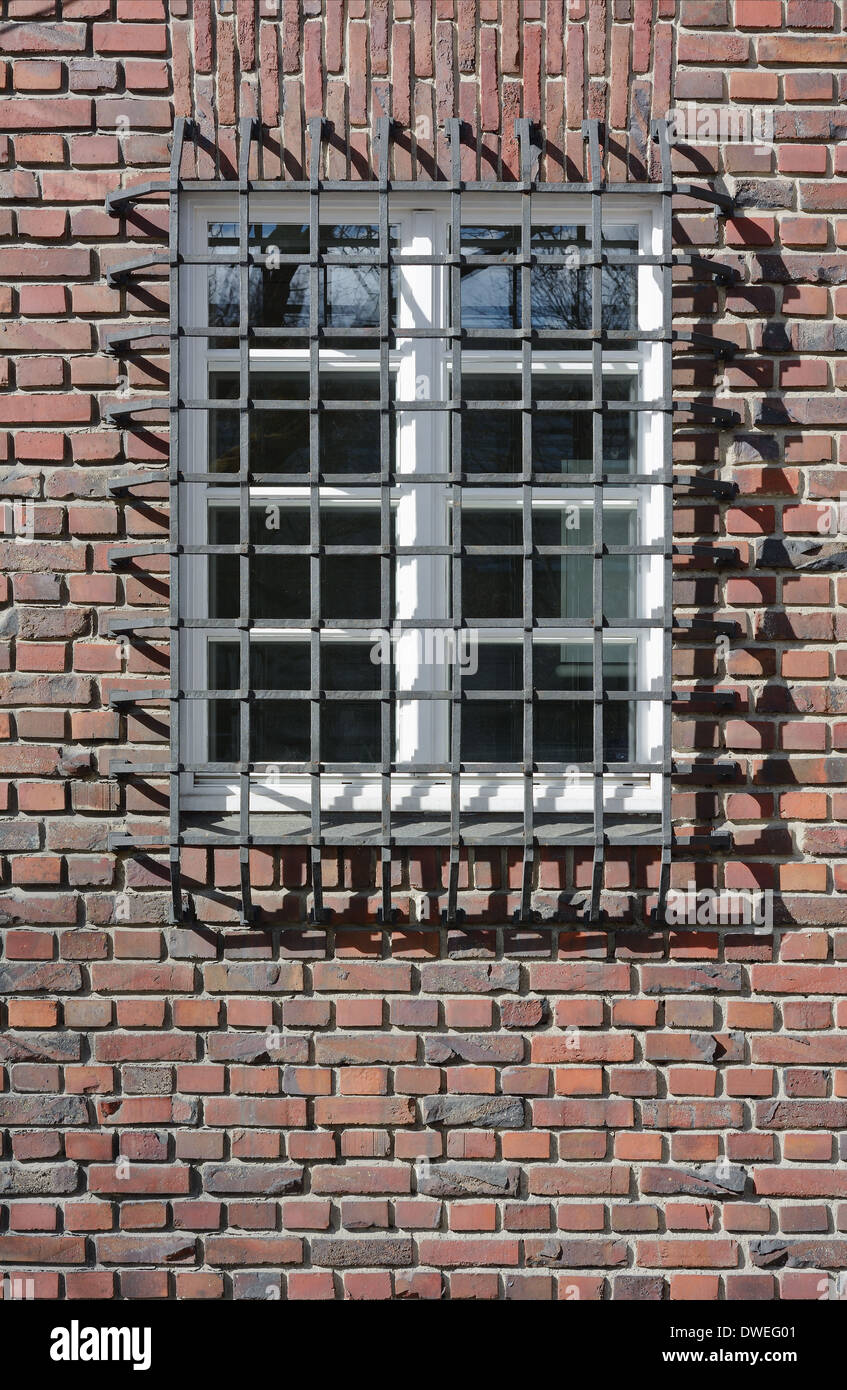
x=499, y=667
x=350, y=585
x=492, y=730
x=279, y=665
x=490, y=294
x=569, y=665
x=562, y=441
x=279, y=292
x=351, y=293
x=491, y=439
x=279, y=584
x=562, y=665
x=224, y=729
x=223, y=424
x=561, y=294
x=565, y=732
x=563, y=584
x=223, y=280
x=349, y=666
x=620, y=448
x=492, y=733
x=350, y=729
x=350, y=732
x=620, y=572
x=620, y=282
x=620, y=672
x=350, y=437
x=279, y=729
x=492, y=584
x=619, y=666
x=279, y=439
x=619, y=731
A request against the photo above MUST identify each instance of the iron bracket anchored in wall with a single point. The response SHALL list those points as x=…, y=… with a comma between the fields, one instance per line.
x=704, y=342
x=116, y=274
x=126, y=481
x=699, y=485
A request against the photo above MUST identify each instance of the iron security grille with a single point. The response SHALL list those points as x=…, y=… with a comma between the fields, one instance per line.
x=390, y=830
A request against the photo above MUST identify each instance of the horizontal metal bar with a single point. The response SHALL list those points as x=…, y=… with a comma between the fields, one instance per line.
x=321, y=693
x=467, y=480
x=187, y=839
x=437, y=186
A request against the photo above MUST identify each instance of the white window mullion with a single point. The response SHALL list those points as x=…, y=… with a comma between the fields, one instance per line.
x=421, y=581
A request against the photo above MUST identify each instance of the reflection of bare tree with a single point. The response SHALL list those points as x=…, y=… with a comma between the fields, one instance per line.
x=279, y=292
x=223, y=296
x=561, y=294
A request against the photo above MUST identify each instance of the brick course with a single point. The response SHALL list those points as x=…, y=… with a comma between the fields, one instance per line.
x=592, y=1111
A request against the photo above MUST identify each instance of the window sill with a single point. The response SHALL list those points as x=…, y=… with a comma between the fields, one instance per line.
x=637, y=794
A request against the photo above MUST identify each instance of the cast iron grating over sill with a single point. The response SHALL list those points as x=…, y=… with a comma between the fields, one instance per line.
x=390, y=829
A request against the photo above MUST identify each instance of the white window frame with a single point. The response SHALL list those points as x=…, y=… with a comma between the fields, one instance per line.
x=421, y=584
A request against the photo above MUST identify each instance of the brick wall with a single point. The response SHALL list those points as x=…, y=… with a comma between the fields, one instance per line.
x=609, y=1111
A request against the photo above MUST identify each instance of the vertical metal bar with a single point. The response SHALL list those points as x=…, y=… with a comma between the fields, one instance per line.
x=660, y=131
x=180, y=129
x=247, y=130
x=455, y=136
x=316, y=127
x=591, y=129
x=386, y=556
x=523, y=132
x=386, y=560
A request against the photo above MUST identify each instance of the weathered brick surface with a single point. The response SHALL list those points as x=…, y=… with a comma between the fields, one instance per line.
x=595, y=1111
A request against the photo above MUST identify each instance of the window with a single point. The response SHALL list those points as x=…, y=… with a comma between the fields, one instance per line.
x=420, y=559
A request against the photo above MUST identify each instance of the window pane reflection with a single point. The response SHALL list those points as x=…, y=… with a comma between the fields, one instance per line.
x=562, y=441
